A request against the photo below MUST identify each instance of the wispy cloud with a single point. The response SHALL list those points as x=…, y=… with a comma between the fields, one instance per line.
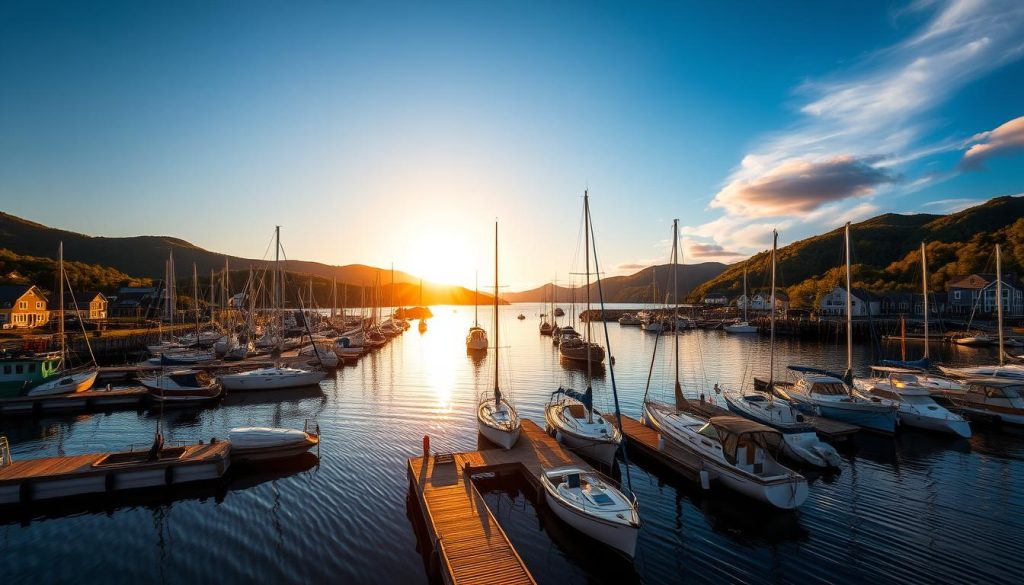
x=860, y=126
x=950, y=205
x=1006, y=139
x=704, y=251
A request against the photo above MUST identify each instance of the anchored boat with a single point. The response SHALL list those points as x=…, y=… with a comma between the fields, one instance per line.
x=594, y=505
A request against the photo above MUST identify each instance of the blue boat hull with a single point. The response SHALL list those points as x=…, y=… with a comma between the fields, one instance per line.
x=883, y=421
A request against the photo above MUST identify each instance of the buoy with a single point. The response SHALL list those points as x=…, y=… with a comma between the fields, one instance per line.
x=705, y=480
x=426, y=445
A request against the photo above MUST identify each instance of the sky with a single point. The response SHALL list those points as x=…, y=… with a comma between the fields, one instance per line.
x=399, y=132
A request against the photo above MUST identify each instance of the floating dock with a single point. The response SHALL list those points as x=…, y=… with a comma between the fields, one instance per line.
x=57, y=477
x=97, y=399
x=471, y=546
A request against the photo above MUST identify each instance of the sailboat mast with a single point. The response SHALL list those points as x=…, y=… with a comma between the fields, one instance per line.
x=586, y=245
x=497, y=351
x=924, y=289
x=212, y=272
x=746, y=300
x=60, y=285
x=771, y=337
x=999, y=303
x=675, y=289
x=476, y=299
x=195, y=297
x=849, y=306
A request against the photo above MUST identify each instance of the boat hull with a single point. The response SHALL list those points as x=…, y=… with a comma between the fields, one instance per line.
x=256, y=382
x=863, y=414
x=500, y=437
x=67, y=384
x=621, y=537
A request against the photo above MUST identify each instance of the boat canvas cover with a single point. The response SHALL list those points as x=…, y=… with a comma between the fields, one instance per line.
x=921, y=364
x=264, y=437
x=587, y=398
x=191, y=378
x=846, y=378
x=732, y=430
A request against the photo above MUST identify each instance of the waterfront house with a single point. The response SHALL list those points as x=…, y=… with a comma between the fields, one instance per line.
x=862, y=303
x=762, y=300
x=22, y=305
x=979, y=291
x=135, y=302
x=90, y=305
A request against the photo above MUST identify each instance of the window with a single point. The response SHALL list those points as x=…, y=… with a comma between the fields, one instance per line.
x=39, y=304
x=23, y=305
x=7, y=369
x=956, y=295
x=19, y=369
x=31, y=368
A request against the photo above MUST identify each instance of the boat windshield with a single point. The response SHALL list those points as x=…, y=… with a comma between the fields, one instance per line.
x=736, y=433
x=708, y=430
x=829, y=388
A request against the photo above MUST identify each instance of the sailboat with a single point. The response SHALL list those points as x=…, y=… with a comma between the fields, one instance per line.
x=496, y=418
x=423, y=318
x=819, y=392
x=800, y=440
x=582, y=498
x=547, y=323
x=1002, y=369
x=66, y=380
x=476, y=339
x=571, y=414
x=649, y=319
x=740, y=453
x=744, y=326
x=576, y=348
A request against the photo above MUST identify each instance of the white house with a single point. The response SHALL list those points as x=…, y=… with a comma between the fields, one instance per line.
x=761, y=301
x=863, y=303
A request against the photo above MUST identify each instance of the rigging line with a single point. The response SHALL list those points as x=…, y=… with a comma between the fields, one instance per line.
x=608, y=345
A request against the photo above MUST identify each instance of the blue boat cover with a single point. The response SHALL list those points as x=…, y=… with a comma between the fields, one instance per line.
x=587, y=398
x=921, y=364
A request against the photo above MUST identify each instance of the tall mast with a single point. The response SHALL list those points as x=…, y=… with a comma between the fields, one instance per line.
x=392, y=291
x=675, y=291
x=924, y=288
x=771, y=342
x=211, y=295
x=60, y=285
x=849, y=306
x=999, y=302
x=586, y=245
x=195, y=297
x=746, y=300
x=334, y=297
x=497, y=351
x=476, y=299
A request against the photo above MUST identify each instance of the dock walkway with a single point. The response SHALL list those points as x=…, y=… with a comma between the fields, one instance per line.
x=472, y=546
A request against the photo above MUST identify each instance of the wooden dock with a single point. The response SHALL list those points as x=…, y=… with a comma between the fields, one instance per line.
x=471, y=545
x=96, y=399
x=826, y=428
x=645, y=440
x=55, y=477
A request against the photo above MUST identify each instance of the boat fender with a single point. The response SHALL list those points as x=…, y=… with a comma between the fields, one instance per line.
x=25, y=492
x=705, y=480
x=169, y=475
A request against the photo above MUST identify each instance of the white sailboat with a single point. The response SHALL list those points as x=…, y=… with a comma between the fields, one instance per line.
x=800, y=440
x=744, y=326
x=66, y=380
x=496, y=418
x=571, y=414
x=476, y=339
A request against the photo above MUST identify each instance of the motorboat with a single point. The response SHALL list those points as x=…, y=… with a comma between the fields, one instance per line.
x=496, y=418
x=66, y=382
x=740, y=327
x=900, y=388
x=594, y=505
x=995, y=398
x=821, y=394
x=265, y=443
x=575, y=422
x=182, y=387
x=271, y=378
x=800, y=441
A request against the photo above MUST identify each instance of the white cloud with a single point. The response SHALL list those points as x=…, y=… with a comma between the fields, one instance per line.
x=1006, y=139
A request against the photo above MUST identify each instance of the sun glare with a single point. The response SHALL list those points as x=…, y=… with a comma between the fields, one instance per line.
x=443, y=257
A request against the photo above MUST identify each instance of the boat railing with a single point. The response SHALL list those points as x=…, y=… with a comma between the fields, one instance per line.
x=5, y=452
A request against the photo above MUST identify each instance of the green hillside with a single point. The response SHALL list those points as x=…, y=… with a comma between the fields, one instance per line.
x=886, y=253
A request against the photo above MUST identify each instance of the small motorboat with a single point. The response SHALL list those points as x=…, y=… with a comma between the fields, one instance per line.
x=68, y=382
x=182, y=387
x=272, y=378
x=820, y=394
x=570, y=414
x=740, y=327
x=263, y=443
x=996, y=398
x=594, y=505
x=521, y=317
x=900, y=388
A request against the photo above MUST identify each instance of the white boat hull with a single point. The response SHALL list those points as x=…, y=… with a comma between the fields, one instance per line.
x=621, y=537
x=66, y=384
x=243, y=383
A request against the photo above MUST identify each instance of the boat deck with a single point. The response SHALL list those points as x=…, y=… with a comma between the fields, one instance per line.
x=472, y=546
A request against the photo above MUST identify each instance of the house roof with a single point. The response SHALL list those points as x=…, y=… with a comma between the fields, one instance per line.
x=83, y=297
x=9, y=293
x=986, y=279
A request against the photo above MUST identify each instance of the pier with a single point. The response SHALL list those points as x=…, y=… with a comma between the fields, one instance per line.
x=471, y=546
x=96, y=399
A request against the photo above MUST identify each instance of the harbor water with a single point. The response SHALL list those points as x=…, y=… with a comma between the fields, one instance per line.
x=914, y=508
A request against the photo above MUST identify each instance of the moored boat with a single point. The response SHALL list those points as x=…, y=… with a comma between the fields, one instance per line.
x=271, y=378
x=575, y=422
x=594, y=505
x=265, y=443
x=916, y=408
x=182, y=387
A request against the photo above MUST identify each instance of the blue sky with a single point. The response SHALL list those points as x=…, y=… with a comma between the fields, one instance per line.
x=396, y=132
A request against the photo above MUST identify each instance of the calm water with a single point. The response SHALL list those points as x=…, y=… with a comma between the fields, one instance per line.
x=917, y=508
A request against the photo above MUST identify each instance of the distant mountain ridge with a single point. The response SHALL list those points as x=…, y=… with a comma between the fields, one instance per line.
x=144, y=256
x=886, y=253
x=633, y=288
